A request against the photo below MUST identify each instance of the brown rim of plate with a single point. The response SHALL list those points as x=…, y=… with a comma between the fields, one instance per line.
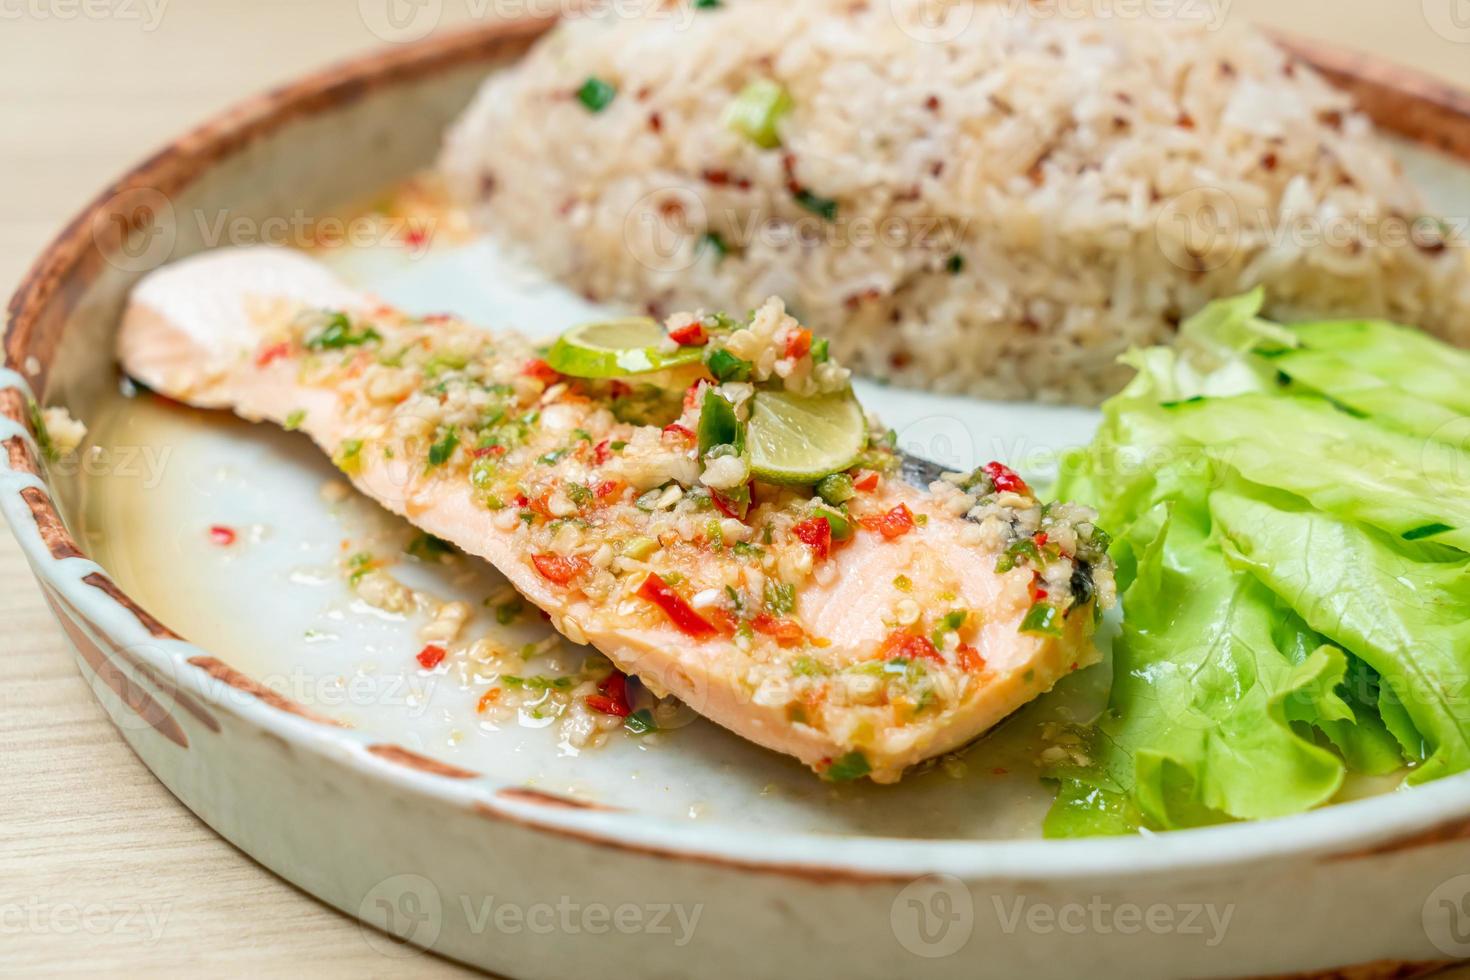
x=1400, y=100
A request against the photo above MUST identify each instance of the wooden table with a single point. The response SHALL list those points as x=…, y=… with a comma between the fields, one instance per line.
x=101, y=870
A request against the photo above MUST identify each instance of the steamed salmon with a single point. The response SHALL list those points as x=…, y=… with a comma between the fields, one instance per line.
x=861, y=630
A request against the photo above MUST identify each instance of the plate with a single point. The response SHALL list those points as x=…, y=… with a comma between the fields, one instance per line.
x=297, y=725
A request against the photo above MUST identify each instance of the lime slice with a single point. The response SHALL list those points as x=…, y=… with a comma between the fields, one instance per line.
x=613, y=348
x=800, y=440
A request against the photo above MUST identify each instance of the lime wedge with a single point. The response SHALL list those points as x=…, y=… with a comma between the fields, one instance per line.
x=800, y=440
x=613, y=348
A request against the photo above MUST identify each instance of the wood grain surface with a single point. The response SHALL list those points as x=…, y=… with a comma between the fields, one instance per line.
x=102, y=872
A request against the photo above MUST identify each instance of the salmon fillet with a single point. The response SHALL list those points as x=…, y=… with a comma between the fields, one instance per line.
x=933, y=615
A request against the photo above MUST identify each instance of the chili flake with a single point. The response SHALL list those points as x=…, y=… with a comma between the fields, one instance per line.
x=815, y=533
x=894, y=524
x=558, y=569
x=690, y=335
x=655, y=590
x=1006, y=479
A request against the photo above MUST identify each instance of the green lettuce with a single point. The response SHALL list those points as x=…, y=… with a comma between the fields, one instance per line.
x=1292, y=533
x=1200, y=723
x=1344, y=465
x=1404, y=610
x=1364, y=393
x=1408, y=359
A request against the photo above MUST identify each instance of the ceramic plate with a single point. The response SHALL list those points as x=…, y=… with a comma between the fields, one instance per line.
x=295, y=720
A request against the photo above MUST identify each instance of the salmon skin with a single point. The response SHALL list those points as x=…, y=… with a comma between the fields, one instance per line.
x=861, y=632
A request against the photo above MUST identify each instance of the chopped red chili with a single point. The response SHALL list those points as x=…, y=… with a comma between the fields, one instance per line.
x=689, y=335
x=675, y=429
x=222, y=536
x=431, y=656
x=481, y=451
x=680, y=613
x=722, y=619
x=272, y=353
x=606, y=489
x=613, y=699
x=1006, y=479
x=555, y=568
x=785, y=632
x=733, y=506
x=969, y=658
x=605, y=704
x=799, y=343
x=537, y=506
x=815, y=533
x=602, y=452
x=865, y=481
x=540, y=370
x=910, y=646
x=691, y=395
x=894, y=524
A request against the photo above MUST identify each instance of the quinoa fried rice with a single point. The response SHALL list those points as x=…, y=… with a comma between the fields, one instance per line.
x=973, y=197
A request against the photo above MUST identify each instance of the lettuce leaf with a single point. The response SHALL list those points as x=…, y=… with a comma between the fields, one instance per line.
x=1404, y=609
x=1214, y=702
x=1410, y=360
x=1366, y=394
x=1138, y=456
x=1346, y=466
x=1289, y=521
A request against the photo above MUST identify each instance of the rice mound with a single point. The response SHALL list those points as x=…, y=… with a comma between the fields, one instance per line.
x=988, y=198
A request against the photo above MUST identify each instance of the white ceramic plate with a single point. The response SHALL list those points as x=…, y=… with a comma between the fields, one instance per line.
x=298, y=726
